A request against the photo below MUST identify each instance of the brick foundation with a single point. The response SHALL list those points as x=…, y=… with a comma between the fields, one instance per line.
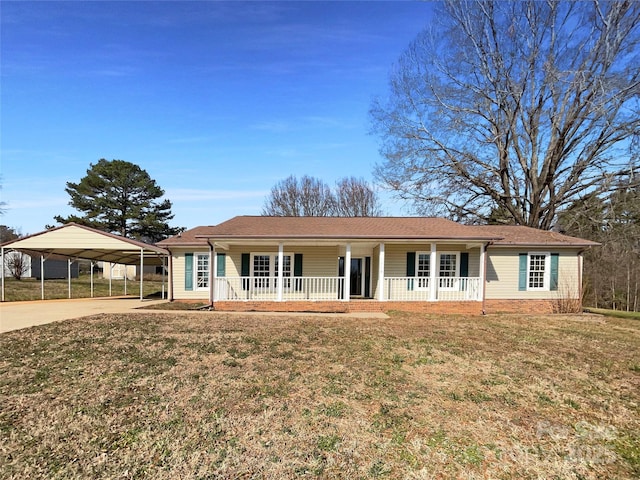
x=354, y=306
x=469, y=308
x=532, y=306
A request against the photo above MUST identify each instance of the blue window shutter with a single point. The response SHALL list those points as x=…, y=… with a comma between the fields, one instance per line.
x=297, y=271
x=244, y=270
x=522, y=273
x=222, y=265
x=188, y=271
x=411, y=268
x=554, y=271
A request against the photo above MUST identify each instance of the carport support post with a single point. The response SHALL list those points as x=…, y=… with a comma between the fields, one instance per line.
x=163, y=277
x=69, y=275
x=42, y=277
x=141, y=272
x=2, y=260
x=126, y=274
x=91, y=268
x=110, y=276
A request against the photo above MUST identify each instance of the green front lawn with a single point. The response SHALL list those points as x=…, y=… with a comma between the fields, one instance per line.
x=613, y=313
x=165, y=395
x=30, y=288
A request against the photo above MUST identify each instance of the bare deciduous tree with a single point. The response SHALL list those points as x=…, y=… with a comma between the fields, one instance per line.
x=516, y=106
x=307, y=197
x=17, y=264
x=354, y=197
x=311, y=197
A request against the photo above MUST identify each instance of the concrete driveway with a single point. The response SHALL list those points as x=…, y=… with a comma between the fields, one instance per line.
x=17, y=315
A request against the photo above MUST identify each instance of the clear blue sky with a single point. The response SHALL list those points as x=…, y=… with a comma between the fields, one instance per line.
x=216, y=100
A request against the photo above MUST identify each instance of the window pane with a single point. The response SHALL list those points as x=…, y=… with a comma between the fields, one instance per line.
x=261, y=268
x=202, y=271
x=536, y=271
x=448, y=264
x=423, y=270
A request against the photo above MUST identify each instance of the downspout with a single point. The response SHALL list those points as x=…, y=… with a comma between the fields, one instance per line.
x=211, y=272
x=580, y=263
x=170, y=274
x=484, y=277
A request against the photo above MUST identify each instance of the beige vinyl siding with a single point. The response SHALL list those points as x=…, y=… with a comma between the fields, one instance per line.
x=395, y=257
x=179, y=293
x=316, y=261
x=503, y=270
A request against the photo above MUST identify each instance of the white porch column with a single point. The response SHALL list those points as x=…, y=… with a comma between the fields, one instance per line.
x=280, y=270
x=110, y=276
x=433, y=269
x=482, y=272
x=213, y=270
x=381, y=273
x=347, y=273
x=91, y=276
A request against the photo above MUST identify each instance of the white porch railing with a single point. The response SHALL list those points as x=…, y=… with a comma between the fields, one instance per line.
x=266, y=288
x=408, y=289
x=331, y=288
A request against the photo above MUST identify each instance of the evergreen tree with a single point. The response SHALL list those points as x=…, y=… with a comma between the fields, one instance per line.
x=120, y=197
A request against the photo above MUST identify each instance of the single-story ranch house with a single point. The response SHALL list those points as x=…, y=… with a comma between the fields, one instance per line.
x=336, y=264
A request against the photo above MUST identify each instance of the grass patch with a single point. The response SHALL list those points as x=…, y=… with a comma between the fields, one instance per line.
x=147, y=395
x=30, y=288
x=614, y=313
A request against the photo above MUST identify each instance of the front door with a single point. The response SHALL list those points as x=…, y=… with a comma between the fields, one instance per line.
x=356, y=277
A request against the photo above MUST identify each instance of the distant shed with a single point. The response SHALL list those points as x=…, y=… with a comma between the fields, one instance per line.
x=53, y=269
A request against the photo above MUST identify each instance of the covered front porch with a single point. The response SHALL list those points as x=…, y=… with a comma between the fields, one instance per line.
x=384, y=272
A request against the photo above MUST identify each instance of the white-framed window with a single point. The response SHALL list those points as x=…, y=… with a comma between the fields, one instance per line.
x=423, y=270
x=265, y=267
x=201, y=272
x=448, y=270
x=262, y=270
x=538, y=270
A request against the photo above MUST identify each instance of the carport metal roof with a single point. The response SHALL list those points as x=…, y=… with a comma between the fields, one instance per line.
x=77, y=241
x=74, y=241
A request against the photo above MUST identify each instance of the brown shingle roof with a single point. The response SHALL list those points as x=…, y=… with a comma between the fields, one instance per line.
x=259, y=227
x=520, y=235
x=188, y=238
x=373, y=228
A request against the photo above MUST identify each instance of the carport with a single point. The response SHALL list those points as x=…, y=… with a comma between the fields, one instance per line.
x=78, y=242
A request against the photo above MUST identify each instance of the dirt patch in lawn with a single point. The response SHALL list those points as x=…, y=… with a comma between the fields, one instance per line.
x=156, y=395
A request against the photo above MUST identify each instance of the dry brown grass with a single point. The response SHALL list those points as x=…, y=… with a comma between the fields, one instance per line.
x=189, y=395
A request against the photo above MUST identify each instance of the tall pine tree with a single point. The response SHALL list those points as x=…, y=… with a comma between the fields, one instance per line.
x=120, y=197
